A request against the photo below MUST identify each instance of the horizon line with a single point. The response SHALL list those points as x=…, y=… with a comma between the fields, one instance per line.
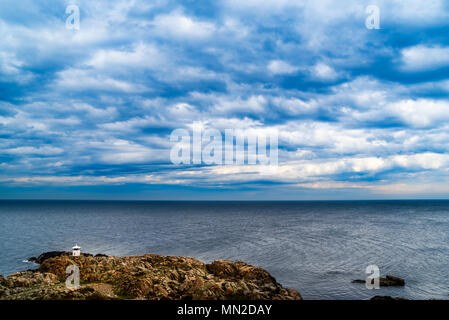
x=229, y=200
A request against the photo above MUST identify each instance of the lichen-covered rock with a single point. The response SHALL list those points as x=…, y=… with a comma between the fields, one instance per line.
x=144, y=277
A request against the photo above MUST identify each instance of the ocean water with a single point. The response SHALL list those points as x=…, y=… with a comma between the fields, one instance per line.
x=314, y=247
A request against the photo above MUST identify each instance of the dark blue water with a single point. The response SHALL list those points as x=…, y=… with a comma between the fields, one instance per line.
x=314, y=247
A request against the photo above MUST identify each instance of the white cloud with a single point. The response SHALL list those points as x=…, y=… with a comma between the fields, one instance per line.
x=142, y=55
x=421, y=112
x=107, y=113
x=411, y=188
x=323, y=72
x=45, y=151
x=130, y=125
x=254, y=104
x=415, y=12
x=295, y=106
x=176, y=25
x=9, y=64
x=427, y=160
x=80, y=180
x=281, y=67
x=424, y=58
x=332, y=185
x=119, y=151
x=79, y=79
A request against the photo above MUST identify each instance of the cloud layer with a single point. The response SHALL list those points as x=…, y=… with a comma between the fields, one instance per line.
x=361, y=113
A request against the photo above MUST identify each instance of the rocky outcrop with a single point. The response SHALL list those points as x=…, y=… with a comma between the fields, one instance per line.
x=144, y=277
x=387, y=298
x=52, y=254
x=388, y=281
x=47, y=255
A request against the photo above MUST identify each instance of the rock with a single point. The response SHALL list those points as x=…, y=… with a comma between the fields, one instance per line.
x=239, y=270
x=144, y=277
x=388, y=281
x=358, y=281
x=47, y=255
x=52, y=254
x=386, y=298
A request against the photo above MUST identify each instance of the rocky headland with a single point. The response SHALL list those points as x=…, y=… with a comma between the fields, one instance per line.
x=149, y=277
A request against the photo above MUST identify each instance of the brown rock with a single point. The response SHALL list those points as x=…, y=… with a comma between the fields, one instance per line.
x=146, y=277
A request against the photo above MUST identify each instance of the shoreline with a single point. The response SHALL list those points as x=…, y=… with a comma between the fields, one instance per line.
x=144, y=277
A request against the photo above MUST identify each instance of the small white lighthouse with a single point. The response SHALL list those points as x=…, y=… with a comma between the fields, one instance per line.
x=76, y=251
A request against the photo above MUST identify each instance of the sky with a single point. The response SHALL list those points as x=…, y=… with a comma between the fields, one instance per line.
x=361, y=113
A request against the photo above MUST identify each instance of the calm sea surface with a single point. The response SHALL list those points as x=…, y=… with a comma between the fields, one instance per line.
x=314, y=247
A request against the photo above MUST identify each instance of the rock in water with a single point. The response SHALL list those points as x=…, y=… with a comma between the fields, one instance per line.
x=388, y=281
x=387, y=298
x=145, y=277
x=358, y=281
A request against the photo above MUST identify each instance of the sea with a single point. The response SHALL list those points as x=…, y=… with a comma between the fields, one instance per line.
x=315, y=247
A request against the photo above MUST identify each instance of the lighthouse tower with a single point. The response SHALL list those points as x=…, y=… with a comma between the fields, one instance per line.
x=76, y=251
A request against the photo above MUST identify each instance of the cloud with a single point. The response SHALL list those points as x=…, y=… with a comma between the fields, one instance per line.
x=295, y=106
x=142, y=55
x=106, y=113
x=415, y=12
x=43, y=150
x=356, y=109
x=176, y=25
x=254, y=104
x=79, y=80
x=421, y=112
x=424, y=58
x=323, y=72
x=281, y=67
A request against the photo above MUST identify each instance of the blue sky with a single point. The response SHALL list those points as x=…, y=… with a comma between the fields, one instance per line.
x=361, y=113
